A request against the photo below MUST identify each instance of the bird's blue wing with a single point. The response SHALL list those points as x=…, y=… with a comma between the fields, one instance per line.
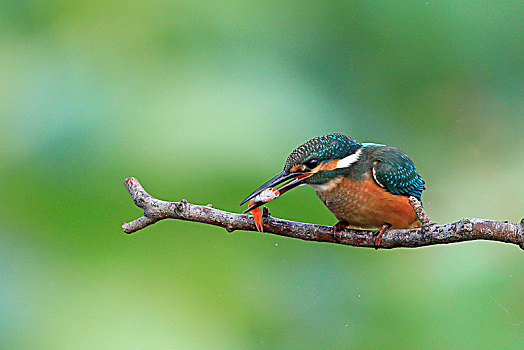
x=394, y=171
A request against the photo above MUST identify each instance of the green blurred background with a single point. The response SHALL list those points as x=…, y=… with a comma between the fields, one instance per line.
x=204, y=100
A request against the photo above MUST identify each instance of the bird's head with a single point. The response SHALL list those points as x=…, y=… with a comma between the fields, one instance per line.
x=315, y=162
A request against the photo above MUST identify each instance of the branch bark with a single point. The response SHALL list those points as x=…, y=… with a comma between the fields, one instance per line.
x=460, y=231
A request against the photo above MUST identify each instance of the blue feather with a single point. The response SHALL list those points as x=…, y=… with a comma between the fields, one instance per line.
x=394, y=171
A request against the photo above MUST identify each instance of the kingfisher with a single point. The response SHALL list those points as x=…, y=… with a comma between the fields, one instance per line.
x=365, y=185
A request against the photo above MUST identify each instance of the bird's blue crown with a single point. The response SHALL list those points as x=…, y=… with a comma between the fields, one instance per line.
x=332, y=146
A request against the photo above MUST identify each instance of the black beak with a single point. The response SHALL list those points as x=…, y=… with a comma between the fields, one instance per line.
x=277, y=180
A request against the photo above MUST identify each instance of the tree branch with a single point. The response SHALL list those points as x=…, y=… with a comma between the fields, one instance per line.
x=460, y=231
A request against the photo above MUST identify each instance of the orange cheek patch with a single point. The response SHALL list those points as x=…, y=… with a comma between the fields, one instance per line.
x=331, y=165
x=297, y=168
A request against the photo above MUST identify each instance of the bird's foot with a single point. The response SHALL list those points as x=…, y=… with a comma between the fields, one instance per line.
x=340, y=226
x=379, y=233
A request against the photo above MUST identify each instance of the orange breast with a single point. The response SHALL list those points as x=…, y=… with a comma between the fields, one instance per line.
x=365, y=204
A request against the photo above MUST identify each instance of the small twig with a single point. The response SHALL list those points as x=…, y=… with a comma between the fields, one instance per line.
x=460, y=231
x=421, y=213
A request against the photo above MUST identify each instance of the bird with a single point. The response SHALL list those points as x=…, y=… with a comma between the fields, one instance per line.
x=365, y=185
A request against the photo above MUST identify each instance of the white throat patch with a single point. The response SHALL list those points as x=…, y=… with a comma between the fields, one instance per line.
x=352, y=158
x=328, y=186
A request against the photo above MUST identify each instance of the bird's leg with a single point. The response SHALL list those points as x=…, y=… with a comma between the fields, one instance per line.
x=339, y=226
x=379, y=233
x=421, y=213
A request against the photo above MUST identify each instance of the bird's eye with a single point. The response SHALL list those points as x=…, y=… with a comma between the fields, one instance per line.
x=312, y=163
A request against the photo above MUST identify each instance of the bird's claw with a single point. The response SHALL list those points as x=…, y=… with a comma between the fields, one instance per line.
x=378, y=235
x=338, y=227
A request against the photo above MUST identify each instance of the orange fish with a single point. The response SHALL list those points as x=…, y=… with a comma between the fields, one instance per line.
x=265, y=196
